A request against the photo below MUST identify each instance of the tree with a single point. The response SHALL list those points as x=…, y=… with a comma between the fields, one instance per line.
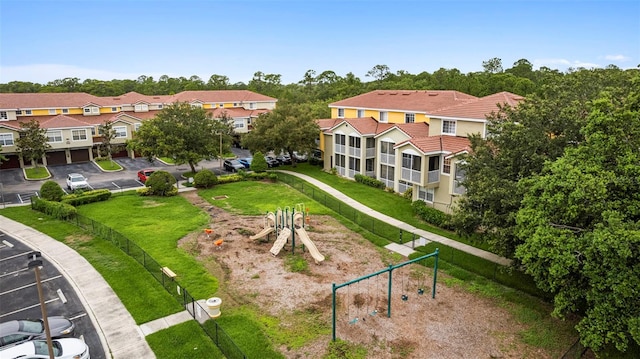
x=379, y=73
x=161, y=183
x=288, y=128
x=183, y=132
x=51, y=191
x=493, y=65
x=580, y=226
x=108, y=133
x=259, y=164
x=32, y=144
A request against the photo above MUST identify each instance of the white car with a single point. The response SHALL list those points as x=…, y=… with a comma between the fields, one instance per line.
x=64, y=348
x=76, y=181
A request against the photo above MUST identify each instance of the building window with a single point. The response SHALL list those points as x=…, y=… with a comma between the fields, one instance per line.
x=252, y=105
x=114, y=109
x=340, y=141
x=411, y=162
x=54, y=136
x=18, y=112
x=446, y=165
x=426, y=194
x=360, y=113
x=384, y=117
x=160, y=107
x=136, y=126
x=121, y=131
x=52, y=111
x=87, y=110
x=27, y=112
x=4, y=115
x=341, y=113
x=235, y=104
x=144, y=108
x=238, y=123
x=91, y=110
x=221, y=105
x=65, y=110
x=448, y=127
x=6, y=139
x=409, y=117
x=93, y=131
x=79, y=135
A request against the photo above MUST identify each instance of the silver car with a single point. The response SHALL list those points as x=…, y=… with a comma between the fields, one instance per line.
x=76, y=181
x=19, y=331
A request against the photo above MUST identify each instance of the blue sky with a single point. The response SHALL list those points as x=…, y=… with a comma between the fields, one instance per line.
x=44, y=40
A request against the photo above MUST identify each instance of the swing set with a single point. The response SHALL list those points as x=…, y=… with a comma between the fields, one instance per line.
x=389, y=270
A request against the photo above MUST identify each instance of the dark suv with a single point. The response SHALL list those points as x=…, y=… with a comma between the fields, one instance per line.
x=232, y=165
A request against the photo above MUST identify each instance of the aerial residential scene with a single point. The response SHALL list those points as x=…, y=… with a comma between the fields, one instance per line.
x=319, y=179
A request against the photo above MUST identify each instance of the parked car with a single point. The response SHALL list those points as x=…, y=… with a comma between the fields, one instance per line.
x=76, y=181
x=283, y=159
x=143, y=175
x=18, y=331
x=232, y=165
x=246, y=162
x=271, y=161
x=64, y=348
x=300, y=157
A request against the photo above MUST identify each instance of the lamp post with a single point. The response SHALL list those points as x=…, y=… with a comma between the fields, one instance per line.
x=220, y=156
x=36, y=264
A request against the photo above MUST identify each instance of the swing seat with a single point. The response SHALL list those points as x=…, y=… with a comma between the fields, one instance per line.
x=420, y=291
x=375, y=311
x=405, y=297
x=353, y=321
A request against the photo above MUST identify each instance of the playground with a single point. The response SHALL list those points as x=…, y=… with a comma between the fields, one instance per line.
x=456, y=324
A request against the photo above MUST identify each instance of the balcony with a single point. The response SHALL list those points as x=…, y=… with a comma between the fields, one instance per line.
x=341, y=170
x=355, y=152
x=457, y=188
x=353, y=173
x=370, y=152
x=433, y=176
x=410, y=175
x=387, y=159
x=339, y=149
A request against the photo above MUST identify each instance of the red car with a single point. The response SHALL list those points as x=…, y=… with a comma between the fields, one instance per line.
x=144, y=174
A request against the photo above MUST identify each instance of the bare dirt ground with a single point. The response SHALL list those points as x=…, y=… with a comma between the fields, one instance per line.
x=456, y=324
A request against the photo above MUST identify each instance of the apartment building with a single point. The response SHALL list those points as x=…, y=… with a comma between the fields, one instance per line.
x=73, y=120
x=408, y=139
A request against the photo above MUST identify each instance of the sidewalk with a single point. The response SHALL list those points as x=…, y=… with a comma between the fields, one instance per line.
x=120, y=336
x=401, y=225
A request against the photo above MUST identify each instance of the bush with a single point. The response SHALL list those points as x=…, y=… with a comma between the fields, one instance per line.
x=369, y=181
x=51, y=191
x=58, y=210
x=258, y=164
x=408, y=194
x=205, y=179
x=80, y=198
x=431, y=215
x=161, y=183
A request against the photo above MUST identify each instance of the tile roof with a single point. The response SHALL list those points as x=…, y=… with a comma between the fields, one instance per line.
x=440, y=144
x=220, y=96
x=236, y=112
x=327, y=123
x=45, y=100
x=63, y=121
x=419, y=129
x=405, y=100
x=479, y=108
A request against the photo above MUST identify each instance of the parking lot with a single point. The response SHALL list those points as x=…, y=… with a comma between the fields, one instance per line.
x=15, y=189
x=19, y=293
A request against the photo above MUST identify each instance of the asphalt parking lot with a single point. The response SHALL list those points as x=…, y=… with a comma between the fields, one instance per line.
x=19, y=293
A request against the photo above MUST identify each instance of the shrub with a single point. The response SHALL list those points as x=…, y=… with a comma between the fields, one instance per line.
x=58, y=210
x=431, y=215
x=369, y=181
x=161, y=183
x=205, y=179
x=51, y=191
x=408, y=194
x=80, y=198
x=258, y=164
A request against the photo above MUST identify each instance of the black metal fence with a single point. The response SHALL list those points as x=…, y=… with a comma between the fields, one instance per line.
x=222, y=340
x=469, y=262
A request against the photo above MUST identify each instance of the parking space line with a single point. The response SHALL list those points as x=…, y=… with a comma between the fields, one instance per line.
x=29, y=285
x=6, y=243
x=14, y=272
x=29, y=307
x=61, y=296
x=78, y=316
x=15, y=256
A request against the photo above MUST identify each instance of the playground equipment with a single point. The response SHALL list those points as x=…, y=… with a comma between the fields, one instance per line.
x=289, y=223
x=208, y=232
x=218, y=243
x=389, y=271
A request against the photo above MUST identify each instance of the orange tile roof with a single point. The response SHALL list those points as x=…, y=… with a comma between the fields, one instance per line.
x=405, y=100
x=419, y=129
x=441, y=144
x=63, y=121
x=45, y=100
x=236, y=112
x=479, y=108
x=218, y=96
x=327, y=123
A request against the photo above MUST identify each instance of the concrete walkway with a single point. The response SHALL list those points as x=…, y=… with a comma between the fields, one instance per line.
x=118, y=332
x=401, y=225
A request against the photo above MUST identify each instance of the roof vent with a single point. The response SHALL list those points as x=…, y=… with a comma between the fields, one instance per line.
x=116, y=98
x=156, y=97
x=433, y=94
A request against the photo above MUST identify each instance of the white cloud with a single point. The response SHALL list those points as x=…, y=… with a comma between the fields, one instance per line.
x=43, y=73
x=619, y=58
x=563, y=64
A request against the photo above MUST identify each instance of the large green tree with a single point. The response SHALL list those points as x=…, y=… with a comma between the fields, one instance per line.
x=288, y=128
x=108, y=134
x=186, y=133
x=580, y=225
x=32, y=143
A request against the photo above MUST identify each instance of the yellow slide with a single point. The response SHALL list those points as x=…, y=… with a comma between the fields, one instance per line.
x=304, y=237
x=263, y=233
x=280, y=241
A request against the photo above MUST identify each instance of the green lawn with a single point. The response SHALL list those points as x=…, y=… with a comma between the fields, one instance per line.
x=108, y=165
x=37, y=173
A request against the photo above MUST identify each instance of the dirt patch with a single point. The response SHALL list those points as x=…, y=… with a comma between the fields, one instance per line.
x=456, y=324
